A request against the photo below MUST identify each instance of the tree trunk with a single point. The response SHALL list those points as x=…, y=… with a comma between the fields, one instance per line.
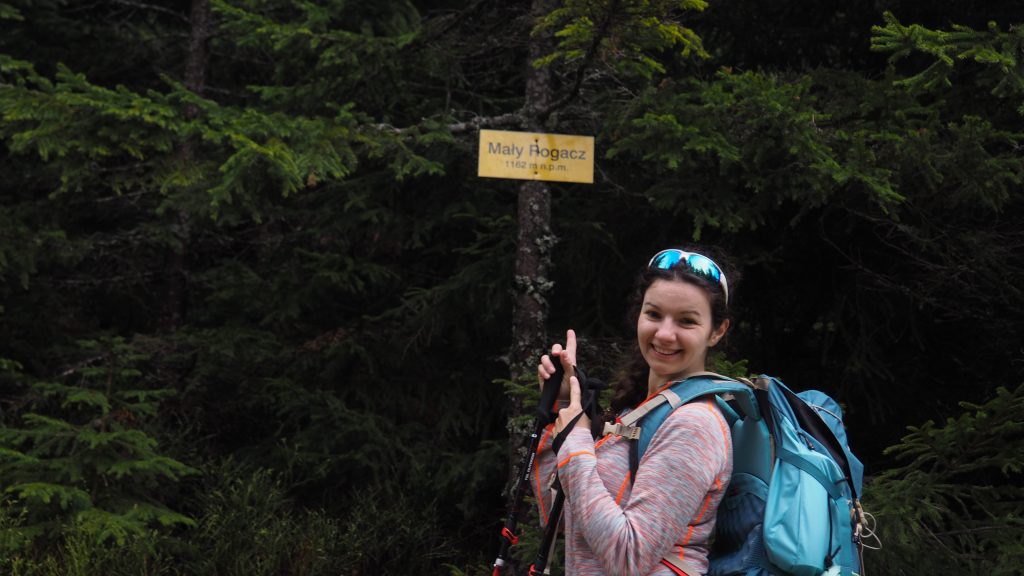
x=534, y=240
x=533, y=256
x=196, y=64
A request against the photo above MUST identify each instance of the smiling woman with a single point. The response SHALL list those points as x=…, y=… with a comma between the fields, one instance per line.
x=675, y=330
x=660, y=521
x=670, y=276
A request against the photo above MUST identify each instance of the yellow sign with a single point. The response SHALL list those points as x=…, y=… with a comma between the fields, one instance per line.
x=533, y=156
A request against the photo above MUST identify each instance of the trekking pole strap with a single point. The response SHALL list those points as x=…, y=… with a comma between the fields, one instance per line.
x=556, y=444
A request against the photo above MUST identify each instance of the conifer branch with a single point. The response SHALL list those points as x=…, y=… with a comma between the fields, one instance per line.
x=588, y=58
x=503, y=120
x=147, y=6
x=509, y=120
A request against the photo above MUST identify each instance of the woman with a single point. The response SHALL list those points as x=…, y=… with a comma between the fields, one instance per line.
x=615, y=524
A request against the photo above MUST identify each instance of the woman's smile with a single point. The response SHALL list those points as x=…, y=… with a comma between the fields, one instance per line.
x=664, y=352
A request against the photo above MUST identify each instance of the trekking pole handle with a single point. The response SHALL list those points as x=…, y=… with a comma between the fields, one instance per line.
x=546, y=409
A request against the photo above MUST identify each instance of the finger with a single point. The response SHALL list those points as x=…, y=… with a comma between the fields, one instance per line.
x=574, y=394
x=546, y=368
x=556, y=349
x=548, y=363
x=570, y=345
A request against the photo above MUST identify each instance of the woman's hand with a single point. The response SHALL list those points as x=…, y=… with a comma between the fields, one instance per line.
x=565, y=415
x=567, y=357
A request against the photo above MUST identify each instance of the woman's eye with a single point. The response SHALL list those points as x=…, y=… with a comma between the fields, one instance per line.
x=653, y=315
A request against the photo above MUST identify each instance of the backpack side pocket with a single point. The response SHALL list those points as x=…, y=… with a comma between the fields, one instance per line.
x=739, y=544
x=801, y=523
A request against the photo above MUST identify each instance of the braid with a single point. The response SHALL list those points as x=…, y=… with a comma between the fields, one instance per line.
x=630, y=384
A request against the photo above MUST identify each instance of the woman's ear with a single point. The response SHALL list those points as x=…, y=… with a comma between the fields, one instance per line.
x=718, y=333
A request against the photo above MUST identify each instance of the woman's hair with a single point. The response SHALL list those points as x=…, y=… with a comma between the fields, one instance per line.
x=630, y=382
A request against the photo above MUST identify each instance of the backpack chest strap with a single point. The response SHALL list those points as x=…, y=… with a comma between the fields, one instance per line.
x=620, y=429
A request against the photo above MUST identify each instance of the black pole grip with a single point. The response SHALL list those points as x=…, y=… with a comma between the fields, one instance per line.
x=549, y=394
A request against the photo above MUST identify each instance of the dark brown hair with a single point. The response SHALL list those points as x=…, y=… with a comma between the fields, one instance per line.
x=630, y=382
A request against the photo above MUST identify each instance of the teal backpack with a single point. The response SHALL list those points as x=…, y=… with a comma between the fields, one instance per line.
x=792, y=507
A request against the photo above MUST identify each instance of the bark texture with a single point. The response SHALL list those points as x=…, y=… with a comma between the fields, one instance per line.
x=196, y=64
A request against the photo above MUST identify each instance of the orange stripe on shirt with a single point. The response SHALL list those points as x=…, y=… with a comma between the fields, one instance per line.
x=655, y=393
x=696, y=520
x=718, y=485
x=721, y=423
x=548, y=431
x=574, y=454
x=622, y=489
x=703, y=509
x=536, y=471
x=682, y=545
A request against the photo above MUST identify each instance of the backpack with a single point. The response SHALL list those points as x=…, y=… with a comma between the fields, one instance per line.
x=792, y=506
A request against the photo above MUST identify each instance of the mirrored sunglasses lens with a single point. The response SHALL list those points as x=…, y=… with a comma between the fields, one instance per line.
x=704, y=265
x=667, y=259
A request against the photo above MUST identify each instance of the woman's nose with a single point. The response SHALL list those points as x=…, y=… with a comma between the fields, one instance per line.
x=664, y=331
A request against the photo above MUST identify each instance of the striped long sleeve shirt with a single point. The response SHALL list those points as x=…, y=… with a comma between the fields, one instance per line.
x=615, y=527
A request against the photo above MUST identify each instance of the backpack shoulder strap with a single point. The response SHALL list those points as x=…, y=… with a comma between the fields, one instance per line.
x=683, y=391
x=640, y=425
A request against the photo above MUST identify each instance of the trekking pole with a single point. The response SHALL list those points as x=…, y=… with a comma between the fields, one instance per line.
x=591, y=387
x=545, y=416
x=540, y=564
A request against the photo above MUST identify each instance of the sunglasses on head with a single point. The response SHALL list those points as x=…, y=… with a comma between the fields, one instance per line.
x=699, y=264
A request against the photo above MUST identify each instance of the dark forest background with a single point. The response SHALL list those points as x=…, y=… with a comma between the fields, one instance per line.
x=259, y=316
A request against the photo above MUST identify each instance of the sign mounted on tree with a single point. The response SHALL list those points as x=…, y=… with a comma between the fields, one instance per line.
x=536, y=156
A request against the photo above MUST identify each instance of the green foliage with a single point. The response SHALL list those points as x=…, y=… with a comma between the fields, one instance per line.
x=623, y=36
x=729, y=151
x=722, y=365
x=956, y=499
x=345, y=279
x=135, y=139
x=79, y=554
x=314, y=52
x=997, y=51
x=247, y=525
x=77, y=456
x=385, y=532
x=8, y=12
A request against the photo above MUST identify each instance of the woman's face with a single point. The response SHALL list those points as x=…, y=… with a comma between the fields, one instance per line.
x=674, y=330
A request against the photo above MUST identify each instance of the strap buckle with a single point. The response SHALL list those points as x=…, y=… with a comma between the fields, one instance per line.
x=620, y=429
